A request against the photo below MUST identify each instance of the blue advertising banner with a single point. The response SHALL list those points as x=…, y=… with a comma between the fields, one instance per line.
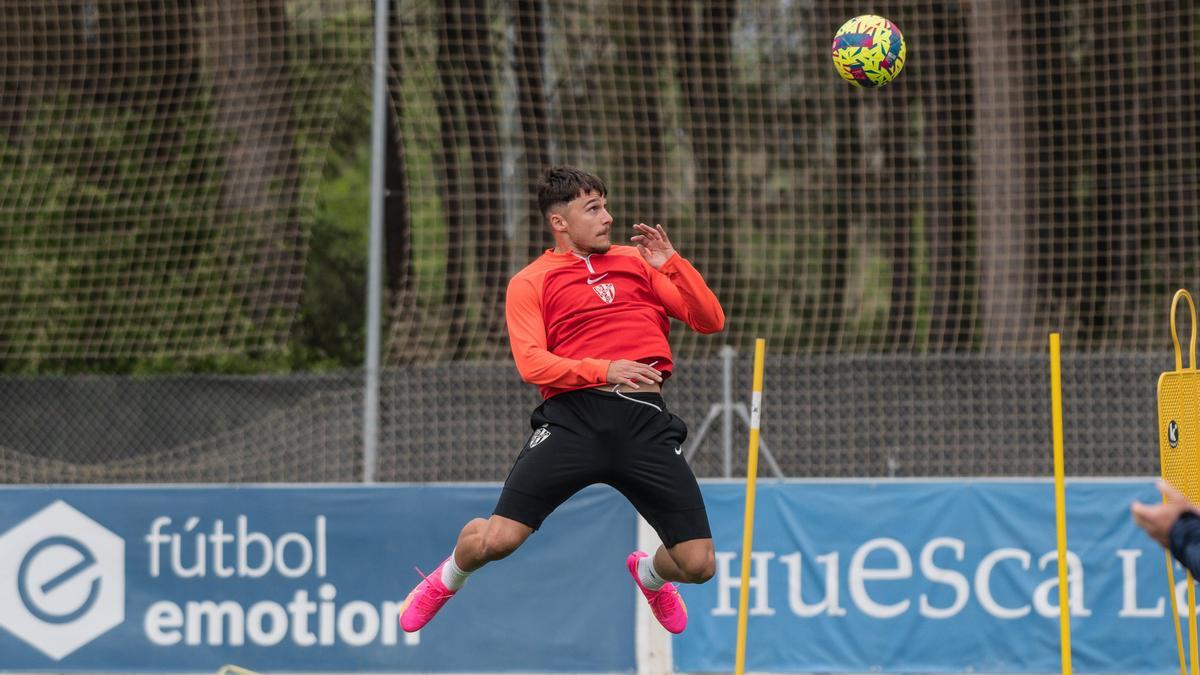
x=891, y=576
x=931, y=576
x=302, y=579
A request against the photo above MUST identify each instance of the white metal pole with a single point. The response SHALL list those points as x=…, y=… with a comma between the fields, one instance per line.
x=375, y=254
x=727, y=355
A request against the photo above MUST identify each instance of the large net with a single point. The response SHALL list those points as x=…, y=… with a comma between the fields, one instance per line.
x=903, y=250
x=158, y=163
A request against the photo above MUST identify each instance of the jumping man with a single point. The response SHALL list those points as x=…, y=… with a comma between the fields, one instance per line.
x=588, y=323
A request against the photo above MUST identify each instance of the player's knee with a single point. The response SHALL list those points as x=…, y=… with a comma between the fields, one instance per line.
x=498, y=544
x=699, y=569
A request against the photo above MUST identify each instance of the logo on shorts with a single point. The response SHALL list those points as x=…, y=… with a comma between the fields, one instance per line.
x=678, y=450
x=539, y=435
x=1173, y=433
x=606, y=292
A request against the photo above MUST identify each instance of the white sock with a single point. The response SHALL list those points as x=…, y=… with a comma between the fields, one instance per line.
x=453, y=577
x=648, y=575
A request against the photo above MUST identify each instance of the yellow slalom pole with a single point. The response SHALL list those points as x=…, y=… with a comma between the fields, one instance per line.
x=1060, y=506
x=1175, y=612
x=1191, y=593
x=760, y=347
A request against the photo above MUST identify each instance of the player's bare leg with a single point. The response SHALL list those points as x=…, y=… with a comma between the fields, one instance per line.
x=486, y=540
x=692, y=562
x=480, y=542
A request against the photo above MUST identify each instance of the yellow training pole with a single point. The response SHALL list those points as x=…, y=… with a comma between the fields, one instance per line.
x=1175, y=611
x=1191, y=593
x=1060, y=506
x=760, y=346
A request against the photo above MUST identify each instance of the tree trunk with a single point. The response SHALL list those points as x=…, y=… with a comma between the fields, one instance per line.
x=1001, y=176
x=703, y=45
x=528, y=62
x=450, y=185
x=251, y=80
x=20, y=50
x=837, y=214
x=173, y=72
x=483, y=140
x=397, y=220
x=1169, y=165
x=897, y=220
x=949, y=181
x=1110, y=212
x=639, y=131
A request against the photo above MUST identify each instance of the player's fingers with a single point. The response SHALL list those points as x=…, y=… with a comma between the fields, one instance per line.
x=1169, y=491
x=1139, y=512
x=641, y=375
x=1143, y=516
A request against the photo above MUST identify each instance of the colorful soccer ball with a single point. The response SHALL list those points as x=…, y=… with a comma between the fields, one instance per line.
x=868, y=51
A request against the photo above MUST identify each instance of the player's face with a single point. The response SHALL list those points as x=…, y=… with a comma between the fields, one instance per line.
x=588, y=224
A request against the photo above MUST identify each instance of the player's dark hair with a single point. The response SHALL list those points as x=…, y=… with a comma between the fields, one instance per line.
x=561, y=184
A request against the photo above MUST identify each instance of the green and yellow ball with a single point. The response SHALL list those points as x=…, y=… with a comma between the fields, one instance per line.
x=868, y=51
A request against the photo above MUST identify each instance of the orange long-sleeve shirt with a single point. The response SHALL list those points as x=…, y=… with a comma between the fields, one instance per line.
x=570, y=316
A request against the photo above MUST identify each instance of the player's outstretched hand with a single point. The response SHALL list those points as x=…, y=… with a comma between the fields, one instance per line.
x=623, y=371
x=653, y=244
x=1157, y=519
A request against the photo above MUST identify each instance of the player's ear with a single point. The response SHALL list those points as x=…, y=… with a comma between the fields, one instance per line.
x=557, y=222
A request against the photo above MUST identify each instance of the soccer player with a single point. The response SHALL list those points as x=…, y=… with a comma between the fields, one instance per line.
x=1174, y=524
x=588, y=324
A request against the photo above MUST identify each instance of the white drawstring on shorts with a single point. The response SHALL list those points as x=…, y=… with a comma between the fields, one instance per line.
x=617, y=390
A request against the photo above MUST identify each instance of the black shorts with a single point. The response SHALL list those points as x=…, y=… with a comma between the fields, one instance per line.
x=629, y=441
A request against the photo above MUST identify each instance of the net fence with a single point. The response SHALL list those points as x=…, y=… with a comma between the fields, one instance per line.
x=158, y=166
x=166, y=180
x=846, y=416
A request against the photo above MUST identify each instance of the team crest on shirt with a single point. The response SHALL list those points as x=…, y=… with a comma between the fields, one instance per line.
x=606, y=292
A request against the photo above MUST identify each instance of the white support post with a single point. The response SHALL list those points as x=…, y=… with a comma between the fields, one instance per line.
x=727, y=355
x=652, y=641
x=375, y=253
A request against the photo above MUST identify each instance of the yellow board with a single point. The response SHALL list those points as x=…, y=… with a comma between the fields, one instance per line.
x=1179, y=447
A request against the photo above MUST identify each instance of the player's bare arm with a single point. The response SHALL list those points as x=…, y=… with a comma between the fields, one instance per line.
x=653, y=244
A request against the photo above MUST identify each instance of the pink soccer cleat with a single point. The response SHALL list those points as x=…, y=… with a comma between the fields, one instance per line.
x=424, y=601
x=665, y=603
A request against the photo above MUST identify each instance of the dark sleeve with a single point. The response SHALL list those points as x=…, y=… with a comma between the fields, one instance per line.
x=1184, y=538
